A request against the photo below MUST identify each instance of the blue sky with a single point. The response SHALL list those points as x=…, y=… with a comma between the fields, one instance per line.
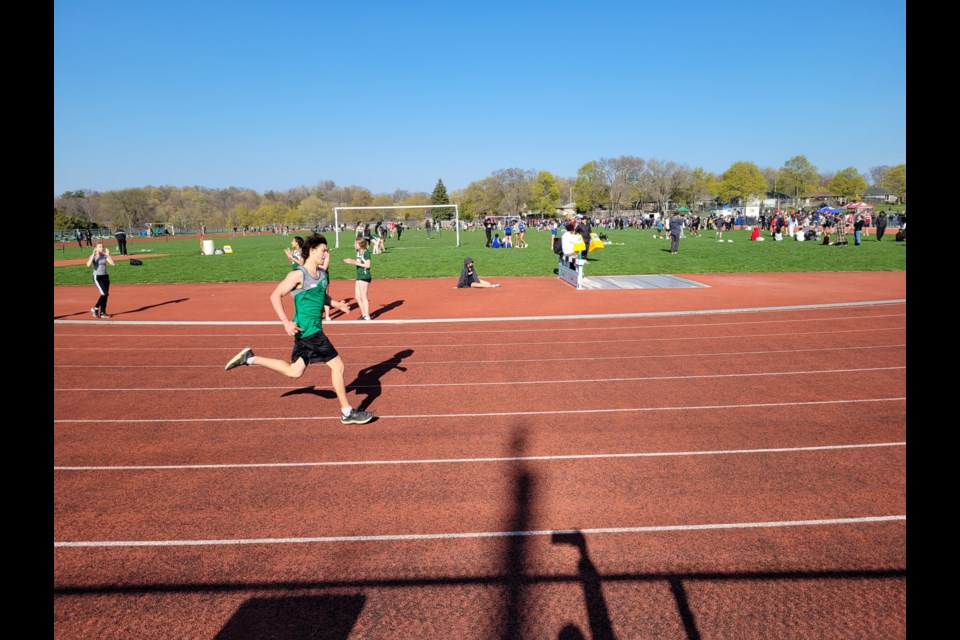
x=274, y=95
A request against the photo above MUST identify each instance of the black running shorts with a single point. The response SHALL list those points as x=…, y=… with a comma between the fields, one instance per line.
x=313, y=348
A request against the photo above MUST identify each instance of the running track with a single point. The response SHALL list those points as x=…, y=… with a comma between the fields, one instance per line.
x=667, y=464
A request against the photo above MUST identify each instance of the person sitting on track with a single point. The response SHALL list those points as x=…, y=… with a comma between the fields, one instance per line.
x=470, y=279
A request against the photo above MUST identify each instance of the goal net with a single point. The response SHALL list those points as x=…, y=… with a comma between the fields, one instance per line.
x=350, y=217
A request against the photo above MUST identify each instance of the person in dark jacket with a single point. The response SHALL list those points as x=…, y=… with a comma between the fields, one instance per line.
x=676, y=228
x=881, y=225
x=121, y=237
x=470, y=279
x=583, y=228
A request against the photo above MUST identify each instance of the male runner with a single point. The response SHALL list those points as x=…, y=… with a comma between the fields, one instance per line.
x=308, y=286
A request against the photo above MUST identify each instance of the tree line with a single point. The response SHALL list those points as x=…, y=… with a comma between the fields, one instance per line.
x=611, y=184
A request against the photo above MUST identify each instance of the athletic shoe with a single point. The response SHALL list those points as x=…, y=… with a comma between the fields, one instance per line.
x=241, y=358
x=105, y=315
x=366, y=318
x=357, y=417
x=95, y=312
x=496, y=286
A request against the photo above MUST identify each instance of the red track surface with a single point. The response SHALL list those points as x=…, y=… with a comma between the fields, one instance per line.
x=735, y=475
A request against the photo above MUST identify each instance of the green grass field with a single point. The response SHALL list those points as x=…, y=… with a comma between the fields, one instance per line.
x=261, y=258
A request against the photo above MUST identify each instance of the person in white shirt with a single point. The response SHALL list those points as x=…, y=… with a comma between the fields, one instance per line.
x=567, y=242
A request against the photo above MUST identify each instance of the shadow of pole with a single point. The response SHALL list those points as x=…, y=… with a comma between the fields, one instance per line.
x=683, y=606
x=516, y=556
x=597, y=612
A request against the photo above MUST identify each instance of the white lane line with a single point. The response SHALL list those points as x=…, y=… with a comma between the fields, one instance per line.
x=543, y=360
x=551, y=381
x=478, y=534
x=497, y=414
x=600, y=316
x=526, y=343
x=333, y=325
x=583, y=456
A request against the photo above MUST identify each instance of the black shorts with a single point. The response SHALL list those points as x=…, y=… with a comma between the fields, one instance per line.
x=313, y=348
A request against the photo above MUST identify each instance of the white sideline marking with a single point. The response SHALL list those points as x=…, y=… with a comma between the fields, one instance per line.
x=490, y=414
x=647, y=314
x=513, y=360
x=551, y=381
x=583, y=456
x=479, y=534
x=457, y=345
x=434, y=333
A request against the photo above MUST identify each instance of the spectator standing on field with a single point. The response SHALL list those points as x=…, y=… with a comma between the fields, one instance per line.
x=584, y=230
x=857, y=229
x=121, y=237
x=676, y=228
x=881, y=225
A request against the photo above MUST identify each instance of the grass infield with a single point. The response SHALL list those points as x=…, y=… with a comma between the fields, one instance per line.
x=261, y=258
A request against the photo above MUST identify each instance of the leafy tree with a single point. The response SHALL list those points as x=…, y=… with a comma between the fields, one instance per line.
x=544, y=194
x=797, y=178
x=897, y=181
x=420, y=197
x=589, y=190
x=128, y=208
x=245, y=216
x=439, y=196
x=270, y=213
x=314, y=210
x=64, y=221
x=849, y=183
x=78, y=206
x=695, y=186
x=742, y=181
x=482, y=197
x=358, y=196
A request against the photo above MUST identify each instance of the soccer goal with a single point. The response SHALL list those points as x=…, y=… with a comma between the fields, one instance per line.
x=337, y=210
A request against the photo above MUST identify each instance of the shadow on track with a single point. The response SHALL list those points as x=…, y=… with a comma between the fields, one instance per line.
x=366, y=383
x=323, y=617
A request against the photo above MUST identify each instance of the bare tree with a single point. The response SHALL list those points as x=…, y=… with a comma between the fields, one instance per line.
x=661, y=180
x=878, y=175
x=620, y=176
x=514, y=184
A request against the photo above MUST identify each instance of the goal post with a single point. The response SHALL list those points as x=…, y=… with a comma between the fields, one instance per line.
x=337, y=210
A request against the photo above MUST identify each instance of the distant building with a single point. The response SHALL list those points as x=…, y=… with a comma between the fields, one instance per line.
x=879, y=195
x=567, y=209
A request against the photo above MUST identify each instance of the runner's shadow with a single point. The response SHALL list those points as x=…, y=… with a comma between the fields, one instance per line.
x=366, y=383
x=120, y=313
x=151, y=306
x=385, y=308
